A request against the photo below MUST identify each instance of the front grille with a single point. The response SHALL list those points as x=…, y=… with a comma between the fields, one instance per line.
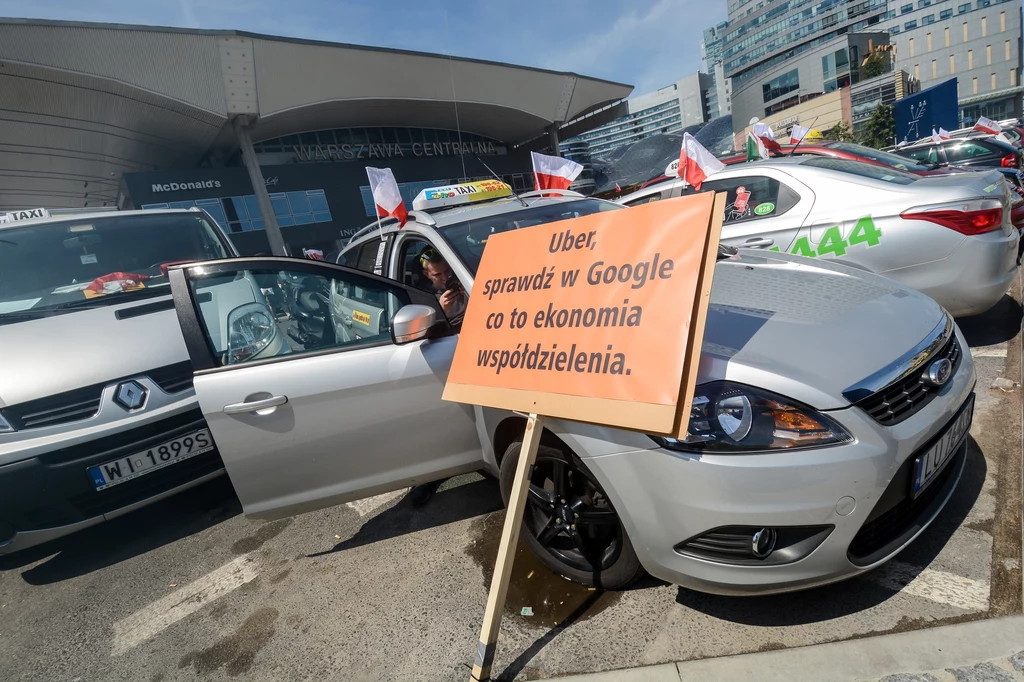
x=84, y=403
x=62, y=408
x=735, y=544
x=173, y=378
x=873, y=540
x=905, y=397
x=724, y=544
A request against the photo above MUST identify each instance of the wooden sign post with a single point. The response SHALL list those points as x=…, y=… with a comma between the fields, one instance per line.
x=596, y=319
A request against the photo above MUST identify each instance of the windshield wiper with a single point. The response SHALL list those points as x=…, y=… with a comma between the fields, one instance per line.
x=111, y=299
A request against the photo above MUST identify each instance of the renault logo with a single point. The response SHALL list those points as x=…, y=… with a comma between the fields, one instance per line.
x=130, y=395
x=938, y=373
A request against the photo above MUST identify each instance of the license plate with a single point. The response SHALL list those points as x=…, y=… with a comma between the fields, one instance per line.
x=173, y=451
x=928, y=465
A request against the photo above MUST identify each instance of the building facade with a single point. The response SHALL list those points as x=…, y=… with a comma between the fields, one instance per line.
x=720, y=94
x=976, y=42
x=668, y=110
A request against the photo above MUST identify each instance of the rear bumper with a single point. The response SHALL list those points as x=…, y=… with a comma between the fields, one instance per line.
x=51, y=495
x=972, y=278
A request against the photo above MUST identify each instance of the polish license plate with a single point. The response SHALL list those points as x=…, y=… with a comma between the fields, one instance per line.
x=141, y=463
x=928, y=465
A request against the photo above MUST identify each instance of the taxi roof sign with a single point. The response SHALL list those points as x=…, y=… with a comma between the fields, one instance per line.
x=27, y=214
x=461, y=194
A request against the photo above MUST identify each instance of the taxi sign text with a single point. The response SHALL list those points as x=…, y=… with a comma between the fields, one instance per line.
x=27, y=214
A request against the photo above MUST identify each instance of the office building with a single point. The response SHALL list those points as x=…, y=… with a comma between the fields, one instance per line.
x=143, y=117
x=977, y=42
x=668, y=110
x=720, y=93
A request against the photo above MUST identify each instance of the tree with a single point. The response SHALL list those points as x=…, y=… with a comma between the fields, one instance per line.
x=879, y=130
x=840, y=132
x=876, y=64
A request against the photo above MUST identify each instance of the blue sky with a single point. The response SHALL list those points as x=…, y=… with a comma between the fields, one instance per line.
x=647, y=44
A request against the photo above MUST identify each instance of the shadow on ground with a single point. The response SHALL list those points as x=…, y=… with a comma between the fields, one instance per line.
x=127, y=536
x=855, y=595
x=999, y=324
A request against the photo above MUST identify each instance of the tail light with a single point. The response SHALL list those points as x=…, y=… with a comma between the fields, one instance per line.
x=1009, y=161
x=966, y=217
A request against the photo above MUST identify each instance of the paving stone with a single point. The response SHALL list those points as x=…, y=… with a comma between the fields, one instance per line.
x=1018, y=661
x=909, y=677
x=983, y=672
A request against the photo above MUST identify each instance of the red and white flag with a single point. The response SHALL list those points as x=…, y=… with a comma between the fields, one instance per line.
x=553, y=172
x=935, y=136
x=696, y=163
x=987, y=125
x=944, y=134
x=386, y=195
x=797, y=134
x=764, y=131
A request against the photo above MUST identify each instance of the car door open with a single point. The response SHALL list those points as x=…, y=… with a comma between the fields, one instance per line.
x=330, y=395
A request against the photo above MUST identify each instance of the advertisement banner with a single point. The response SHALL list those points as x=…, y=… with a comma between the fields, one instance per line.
x=937, y=107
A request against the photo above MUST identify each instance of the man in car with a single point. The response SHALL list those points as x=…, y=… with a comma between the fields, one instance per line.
x=449, y=292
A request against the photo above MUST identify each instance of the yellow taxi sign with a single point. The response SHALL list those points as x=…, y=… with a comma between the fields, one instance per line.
x=458, y=195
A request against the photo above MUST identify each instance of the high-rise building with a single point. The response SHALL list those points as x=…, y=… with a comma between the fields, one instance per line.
x=668, y=110
x=720, y=94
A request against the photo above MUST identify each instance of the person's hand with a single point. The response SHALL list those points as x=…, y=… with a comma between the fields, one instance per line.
x=449, y=299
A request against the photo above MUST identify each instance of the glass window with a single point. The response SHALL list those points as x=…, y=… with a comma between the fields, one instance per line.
x=945, y=14
x=964, y=8
x=251, y=314
x=984, y=3
x=239, y=205
x=864, y=170
x=926, y=154
x=303, y=218
x=777, y=87
x=927, y=19
x=921, y=4
x=966, y=150
x=469, y=238
x=370, y=255
x=906, y=8
x=252, y=205
x=74, y=264
x=317, y=200
x=910, y=25
x=656, y=196
x=892, y=160
x=753, y=197
x=280, y=203
x=298, y=202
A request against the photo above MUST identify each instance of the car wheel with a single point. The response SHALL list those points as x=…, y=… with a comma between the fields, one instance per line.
x=569, y=522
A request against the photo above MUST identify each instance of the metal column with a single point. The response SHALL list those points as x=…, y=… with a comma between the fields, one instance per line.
x=259, y=187
x=553, y=138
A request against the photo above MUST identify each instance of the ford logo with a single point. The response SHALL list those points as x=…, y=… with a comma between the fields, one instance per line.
x=939, y=372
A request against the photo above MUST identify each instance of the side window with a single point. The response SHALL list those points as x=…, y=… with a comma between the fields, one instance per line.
x=966, y=150
x=370, y=257
x=259, y=314
x=926, y=154
x=411, y=272
x=753, y=197
x=644, y=200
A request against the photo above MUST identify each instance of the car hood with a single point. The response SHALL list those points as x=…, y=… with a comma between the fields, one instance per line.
x=807, y=329
x=63, y=352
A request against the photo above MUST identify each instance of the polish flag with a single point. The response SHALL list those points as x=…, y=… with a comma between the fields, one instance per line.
x=987, y=125
x=696, y=163
x=797, y=135
x=386, y=195
x=553, y=172
x=935, y=136
x=944, y=134
x=764, y=131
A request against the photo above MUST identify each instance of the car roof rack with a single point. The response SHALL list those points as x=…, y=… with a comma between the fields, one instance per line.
x=551, y=192
x=419, y=216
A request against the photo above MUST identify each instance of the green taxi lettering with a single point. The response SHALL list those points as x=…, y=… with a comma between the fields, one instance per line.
x=832, y=242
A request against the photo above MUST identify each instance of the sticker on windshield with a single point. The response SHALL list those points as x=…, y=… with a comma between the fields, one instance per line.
x=833, y=243
x=764, y=209
x=88, y=258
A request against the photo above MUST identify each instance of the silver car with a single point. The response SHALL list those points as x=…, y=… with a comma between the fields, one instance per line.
x=950, y=237
x=828, y=427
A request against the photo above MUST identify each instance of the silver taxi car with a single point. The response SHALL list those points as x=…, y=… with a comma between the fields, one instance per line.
x=950, y=237
x=827, y=431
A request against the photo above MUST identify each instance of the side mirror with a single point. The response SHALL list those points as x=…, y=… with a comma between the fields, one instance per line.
x=251, y=329
x=412, y=322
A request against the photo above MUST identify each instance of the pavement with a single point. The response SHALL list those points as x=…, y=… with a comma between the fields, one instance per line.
x=189, y=589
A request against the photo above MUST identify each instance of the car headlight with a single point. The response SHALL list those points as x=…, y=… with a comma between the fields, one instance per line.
x=730, y=417
x=5, y=427
x=251, y=329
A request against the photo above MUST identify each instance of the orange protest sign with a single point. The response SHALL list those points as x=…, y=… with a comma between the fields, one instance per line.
x=592, y=319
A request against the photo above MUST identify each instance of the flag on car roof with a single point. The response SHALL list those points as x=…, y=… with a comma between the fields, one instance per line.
x=797, y=134
x=553, y=172
x=756, y=149
x=386, y=195
x=935, y=136
x=987, y=125
x=696, y=163
x=944, y=134
x=764, y=132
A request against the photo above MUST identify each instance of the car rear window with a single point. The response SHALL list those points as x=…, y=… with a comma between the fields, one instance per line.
x=889, y=159
x=864, y=170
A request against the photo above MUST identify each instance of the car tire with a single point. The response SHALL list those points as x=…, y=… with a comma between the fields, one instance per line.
x=617, y=565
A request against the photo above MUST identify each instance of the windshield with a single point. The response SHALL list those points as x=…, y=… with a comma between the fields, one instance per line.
x=864, y=170
x=52, y=267
x=892, y=160
x=469, y=238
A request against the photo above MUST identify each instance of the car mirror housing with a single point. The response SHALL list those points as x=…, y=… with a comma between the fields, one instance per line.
x=412, y=323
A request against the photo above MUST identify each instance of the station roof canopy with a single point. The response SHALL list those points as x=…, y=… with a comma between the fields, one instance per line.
x=82, y=103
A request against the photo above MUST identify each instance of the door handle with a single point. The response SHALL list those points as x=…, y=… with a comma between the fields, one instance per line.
x=763, y=243
x=256, y=405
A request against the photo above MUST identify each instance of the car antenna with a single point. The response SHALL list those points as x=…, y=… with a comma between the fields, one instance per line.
x=510, y=188
x=809, y=129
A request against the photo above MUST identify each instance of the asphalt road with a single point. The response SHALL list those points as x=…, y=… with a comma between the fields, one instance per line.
x=375, y=590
